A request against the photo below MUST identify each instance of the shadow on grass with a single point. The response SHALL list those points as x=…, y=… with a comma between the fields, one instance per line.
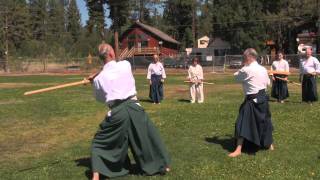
x=226, y=143
x=288, y=101
x=184, y=100
x=229, y=143
x=146, y=100
x=86, y=162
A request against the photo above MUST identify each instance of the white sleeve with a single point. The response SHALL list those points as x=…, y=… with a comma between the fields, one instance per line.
x=99, y=93
x=163, y=72
x=317, y=65
x=201, y=73
x=149, y=72
x=287, y=67
x=241, y=75
x=189, y=73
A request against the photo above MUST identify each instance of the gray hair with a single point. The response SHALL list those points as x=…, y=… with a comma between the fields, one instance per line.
x=250, y=52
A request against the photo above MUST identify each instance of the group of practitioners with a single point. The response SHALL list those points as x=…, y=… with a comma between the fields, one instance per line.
x=156, y=76
x=127, y=125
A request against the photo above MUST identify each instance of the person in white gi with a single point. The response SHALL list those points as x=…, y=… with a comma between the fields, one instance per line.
x=126, y=125
x=279, y=81
x=309, y=68
x=195, y=76
x=156, y=75
x=253, y=125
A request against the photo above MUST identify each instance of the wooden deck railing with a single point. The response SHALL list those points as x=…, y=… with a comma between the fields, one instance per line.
x=138, y=51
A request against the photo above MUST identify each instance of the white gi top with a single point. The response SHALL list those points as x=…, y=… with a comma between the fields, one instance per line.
x=195, y=72
x=310, y=65
x=281, y=65
x=114, y=82
x=157, y=69
x=253, y=77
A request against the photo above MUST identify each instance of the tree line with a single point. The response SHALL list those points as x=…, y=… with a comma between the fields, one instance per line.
x=42, y=28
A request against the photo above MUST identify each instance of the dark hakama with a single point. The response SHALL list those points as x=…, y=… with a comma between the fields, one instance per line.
x=279, y=88
x=128, y=126
x=156, y=88
x=309, y=88
x=254, y=121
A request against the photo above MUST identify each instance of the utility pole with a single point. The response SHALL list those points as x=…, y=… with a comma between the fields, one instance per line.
x=6, y=53
x=194, y=23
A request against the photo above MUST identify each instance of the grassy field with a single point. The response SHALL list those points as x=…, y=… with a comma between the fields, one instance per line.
x=48, y=136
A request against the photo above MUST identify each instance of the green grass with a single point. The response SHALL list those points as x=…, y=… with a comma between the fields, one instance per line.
x=48, y=136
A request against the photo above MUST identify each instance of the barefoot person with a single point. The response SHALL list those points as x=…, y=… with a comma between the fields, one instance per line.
x=253, y=125
x=126, y=124
x=195, y=76
x=156, y=76
x=309, y=67
x=279, y=82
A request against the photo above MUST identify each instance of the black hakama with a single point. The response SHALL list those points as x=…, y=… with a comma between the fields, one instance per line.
x=254, y=121
x=309, y=88
x=156, y=88
x=279, y=88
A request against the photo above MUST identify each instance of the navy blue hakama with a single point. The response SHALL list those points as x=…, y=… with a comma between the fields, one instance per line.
x=309, y=88
x=254, y=123
x=156, y=88
x=279, y=88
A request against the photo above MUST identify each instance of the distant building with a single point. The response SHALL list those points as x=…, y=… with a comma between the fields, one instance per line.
x=144, y=40
x=305, y=40
x=203, y=42
x=208, y=48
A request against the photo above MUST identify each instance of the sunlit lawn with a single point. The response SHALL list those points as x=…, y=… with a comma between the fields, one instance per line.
x=48, y=136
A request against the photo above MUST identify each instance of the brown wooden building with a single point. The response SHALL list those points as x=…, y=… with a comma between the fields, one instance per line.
x=141, y=39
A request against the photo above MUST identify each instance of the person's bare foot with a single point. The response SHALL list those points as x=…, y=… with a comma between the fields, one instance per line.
x=168, y=169
x=235, y=154
x=95, y=176
x=271, y=148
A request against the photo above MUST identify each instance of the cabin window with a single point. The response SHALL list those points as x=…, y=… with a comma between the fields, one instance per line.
x=142, y=37
x=130, y=44
x=144, y=44
x=132, y=37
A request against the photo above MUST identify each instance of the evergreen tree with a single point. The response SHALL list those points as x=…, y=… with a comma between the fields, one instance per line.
x=178, y=17
x=15, y=22
x=205, y=19
x=56, y=21
x=96, y=16
x=240, y=24
x=39, y=20
x=74, y=24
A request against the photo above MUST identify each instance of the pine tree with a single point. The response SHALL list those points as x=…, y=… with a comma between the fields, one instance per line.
x=205, y=19
x=16, y=15
x=96, y=20
x=39, y=20
x=119, y=15
x=74, y=24
x=240, y=24
x=56, y=21
x=178, y=17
